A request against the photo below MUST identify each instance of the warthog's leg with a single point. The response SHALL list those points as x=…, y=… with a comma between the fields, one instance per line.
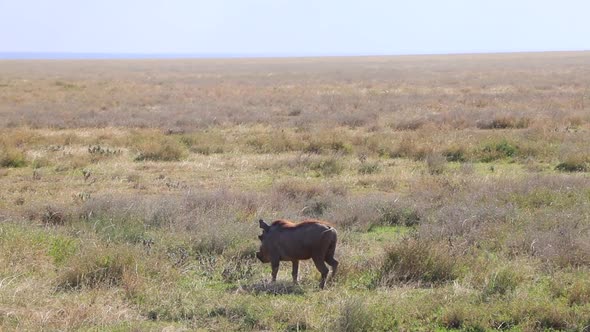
x=334, y=264
x=295, y=271
x=319, y=264
x=330, y=258
x=274, y=263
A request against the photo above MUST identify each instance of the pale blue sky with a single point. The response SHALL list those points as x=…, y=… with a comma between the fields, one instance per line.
x=293, y=27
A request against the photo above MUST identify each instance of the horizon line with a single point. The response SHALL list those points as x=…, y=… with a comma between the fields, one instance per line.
x=17, y=55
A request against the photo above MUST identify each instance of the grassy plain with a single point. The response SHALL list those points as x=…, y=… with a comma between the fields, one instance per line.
x=130, y=192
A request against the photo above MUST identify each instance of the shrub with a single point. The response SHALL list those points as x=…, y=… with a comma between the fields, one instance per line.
x=369, y=168
x=61, y=248
x=391, y=215
x=453, y=318
x=327, y=166
x=96, y=267
x=354, y=316
x=274, y=142
x=461, y=316
x=53, y=215
x=412, y=124
x=501, y=282
x=579, y=292
x=295, y=190
x=120, y=230
x=455, y=154
x=413, y=260
x=574, y=287
x=410, y=148
x=10, y=157
x=435, y=163
x=160, y=148
x=572, y=165
x=205, y=143
x=318, y=146
x=505, y=122
x=549, y=316
x=498, y=150
x=357, y=213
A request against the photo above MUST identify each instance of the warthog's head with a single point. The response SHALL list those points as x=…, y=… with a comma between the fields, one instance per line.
x=263, y=253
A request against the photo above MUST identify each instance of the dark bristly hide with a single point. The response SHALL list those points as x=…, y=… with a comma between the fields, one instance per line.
x=284, y=240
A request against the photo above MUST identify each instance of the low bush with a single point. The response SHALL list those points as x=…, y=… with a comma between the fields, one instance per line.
x=98, y=266
x=318, y=146
x=369, y=168
x=435, y=163
x=410, y=148
x=205, y=143
x=413, y=260
x=455, y=154
x=505, y=122
x=353, y=316
x=395, y=215
x=327, y=167
x=497, y=150
x=12, y=158
x=501, y=281
x=461, y=316
x=572, y=165
x=158, y=148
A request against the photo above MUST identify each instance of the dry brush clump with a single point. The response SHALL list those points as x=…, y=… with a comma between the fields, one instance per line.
x=99, y=267
x=10, y=157
x=418, y=261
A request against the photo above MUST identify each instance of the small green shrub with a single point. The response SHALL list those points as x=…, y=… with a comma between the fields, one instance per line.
x=354, y=316
x=398, y=216
x=294, y=190
x=410, y=148
x=52, y=215
x=455, y=154
x=274, y=142
x=453, y=318
x=205, y=143
x=505, y=122
x=160, y=148
x=572, y=166
x=12, y=158
x=95, y=267
x=579, y=292
x=498, y=150
x=119, y=230
x=369, y=168
x=501, y=282
x=327, y=166
x=461, y=316
x=325, y=146
x=549, y=316
x=61, y=248
x=435, y=163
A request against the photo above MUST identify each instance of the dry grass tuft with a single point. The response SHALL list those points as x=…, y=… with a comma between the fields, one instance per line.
x=418, y=261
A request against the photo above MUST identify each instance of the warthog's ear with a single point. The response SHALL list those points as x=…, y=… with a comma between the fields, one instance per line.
x=263, y=225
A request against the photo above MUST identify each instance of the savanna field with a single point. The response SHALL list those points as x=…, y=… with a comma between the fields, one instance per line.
x=130, y=192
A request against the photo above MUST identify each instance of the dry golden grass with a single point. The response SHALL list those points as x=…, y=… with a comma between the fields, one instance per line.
x=130, y=191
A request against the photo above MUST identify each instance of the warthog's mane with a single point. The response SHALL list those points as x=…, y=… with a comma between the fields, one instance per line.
x=290, y=224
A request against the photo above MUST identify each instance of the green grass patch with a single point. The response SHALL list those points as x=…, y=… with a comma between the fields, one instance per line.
x=12, y=158
x=502, y=149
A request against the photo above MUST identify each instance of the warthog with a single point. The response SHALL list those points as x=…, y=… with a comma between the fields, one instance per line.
x=287, y=241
